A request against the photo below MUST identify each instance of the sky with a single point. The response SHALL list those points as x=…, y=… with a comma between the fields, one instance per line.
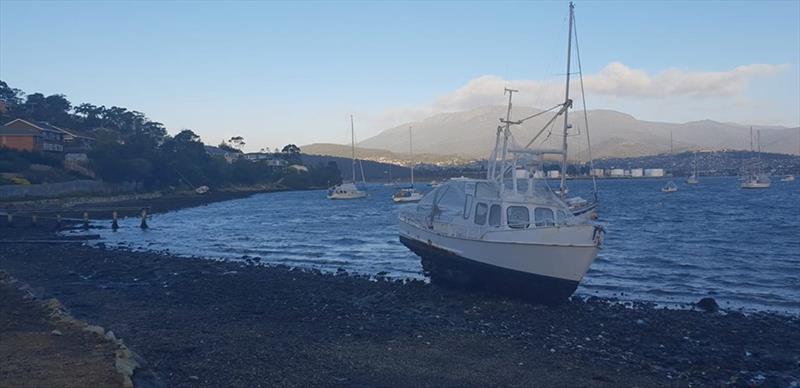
x=292, y=72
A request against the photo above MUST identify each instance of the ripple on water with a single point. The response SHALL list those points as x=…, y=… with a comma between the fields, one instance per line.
x=712, y=239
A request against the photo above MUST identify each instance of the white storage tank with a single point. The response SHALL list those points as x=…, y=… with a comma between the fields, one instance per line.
x=637, y=172
x=617, y=172
x=553, y=174
x=654, y=172
x=597, y=172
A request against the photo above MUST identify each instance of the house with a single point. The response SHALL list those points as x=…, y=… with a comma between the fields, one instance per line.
x=266, y=158
x=51, y=138
x=229, y=156
x=29, y=136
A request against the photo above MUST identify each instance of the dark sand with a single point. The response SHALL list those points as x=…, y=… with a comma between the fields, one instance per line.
x=213, y=324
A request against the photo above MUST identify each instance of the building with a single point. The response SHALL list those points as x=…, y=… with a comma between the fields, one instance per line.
x=637, y=172
x=617, y=172
x=229, y=156
x=32, y=136
x=654, y=172
x=266, y=158
x=598, y=172
x=554, y=174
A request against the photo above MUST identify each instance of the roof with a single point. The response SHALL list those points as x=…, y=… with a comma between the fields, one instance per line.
x=45, y=126
x=8, y=131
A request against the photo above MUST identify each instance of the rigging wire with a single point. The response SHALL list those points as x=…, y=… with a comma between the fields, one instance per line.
x=585, y=112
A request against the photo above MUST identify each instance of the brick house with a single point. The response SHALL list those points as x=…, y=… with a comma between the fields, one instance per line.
x=24, y=135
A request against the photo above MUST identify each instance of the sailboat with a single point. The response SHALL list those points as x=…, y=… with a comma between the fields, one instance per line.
x=754, y=177
x=692, y=180
x=509, y=232
x=409, y=194
x=349, y=190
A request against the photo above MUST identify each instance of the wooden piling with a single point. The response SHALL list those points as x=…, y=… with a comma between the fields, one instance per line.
x=86, y=220
x=114, y=224
x=143, y=225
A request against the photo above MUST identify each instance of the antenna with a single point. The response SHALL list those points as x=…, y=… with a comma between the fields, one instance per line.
x=353, y=142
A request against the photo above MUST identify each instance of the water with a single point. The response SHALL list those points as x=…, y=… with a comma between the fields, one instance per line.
x=740, y=246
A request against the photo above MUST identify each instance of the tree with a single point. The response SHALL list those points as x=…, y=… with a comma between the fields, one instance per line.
x=237, y=142
x=291, y=149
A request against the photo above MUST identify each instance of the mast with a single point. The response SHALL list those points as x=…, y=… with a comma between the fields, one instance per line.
x=567, y=103
x=671, y=149
x=506, y=132
x=411, y=151
x=353, y=143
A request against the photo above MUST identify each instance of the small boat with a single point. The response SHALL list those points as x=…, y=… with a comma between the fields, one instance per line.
x=788, y=178
x=349, y=190
x=755, y=178
x=670, y=187
x=434, y=184
x=508, y=232
x=409, y=194
x=756, y=181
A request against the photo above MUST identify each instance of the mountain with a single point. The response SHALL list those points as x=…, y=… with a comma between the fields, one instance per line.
x=471, y=134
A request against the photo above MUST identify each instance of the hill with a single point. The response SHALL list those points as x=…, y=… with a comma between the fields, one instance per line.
x=470, y=134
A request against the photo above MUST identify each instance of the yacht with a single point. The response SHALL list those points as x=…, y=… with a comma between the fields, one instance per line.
x=349, y=190
x=509, y=232
x=670, y=187
x=408, y=194
x=788, y=178
x=754, y=177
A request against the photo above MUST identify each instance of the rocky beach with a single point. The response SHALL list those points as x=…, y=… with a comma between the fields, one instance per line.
x=210, y=323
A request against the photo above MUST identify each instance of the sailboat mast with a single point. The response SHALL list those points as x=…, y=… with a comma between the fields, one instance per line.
x=568, y=104
x=411, y=151
x=506, y=133
x=353, y=144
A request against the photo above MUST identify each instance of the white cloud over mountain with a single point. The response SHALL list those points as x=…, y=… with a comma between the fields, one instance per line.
x=615, y=82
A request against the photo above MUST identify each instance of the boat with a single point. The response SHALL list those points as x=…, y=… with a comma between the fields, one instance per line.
x=754, y=177
x=434, y=183
x=788, y=178
x=510, y=232
x=349, y=190
x=692, y=180
x=408, y=194
x=670, y=187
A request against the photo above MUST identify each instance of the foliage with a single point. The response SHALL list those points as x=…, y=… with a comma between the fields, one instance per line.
x=131, y=147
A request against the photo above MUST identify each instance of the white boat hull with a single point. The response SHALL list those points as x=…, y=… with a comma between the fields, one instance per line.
x=755, y=185
x=350, y=195
x=535, y=271
x=412, y=198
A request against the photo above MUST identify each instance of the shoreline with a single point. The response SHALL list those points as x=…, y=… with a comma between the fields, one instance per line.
x=218, y=323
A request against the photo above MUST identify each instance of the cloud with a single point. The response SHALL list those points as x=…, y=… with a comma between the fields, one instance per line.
x=615, y=81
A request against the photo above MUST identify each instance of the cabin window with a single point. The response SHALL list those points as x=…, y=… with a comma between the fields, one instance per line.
x=480, y=213
x=494, y=215
x=544, y=216
x=518, y=217
x=467, y=206
x=561, y=217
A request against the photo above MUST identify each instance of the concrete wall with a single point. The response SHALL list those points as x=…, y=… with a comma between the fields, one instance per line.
x=49, y=190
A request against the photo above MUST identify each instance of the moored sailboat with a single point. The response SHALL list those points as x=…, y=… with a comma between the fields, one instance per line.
x=754, y=177
x=408, y=194
x=349, y=190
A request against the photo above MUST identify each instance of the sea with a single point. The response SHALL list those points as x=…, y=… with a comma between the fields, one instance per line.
x=741, y=247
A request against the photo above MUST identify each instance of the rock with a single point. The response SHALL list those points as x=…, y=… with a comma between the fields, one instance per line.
x=708, y=305
x=56, y=332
